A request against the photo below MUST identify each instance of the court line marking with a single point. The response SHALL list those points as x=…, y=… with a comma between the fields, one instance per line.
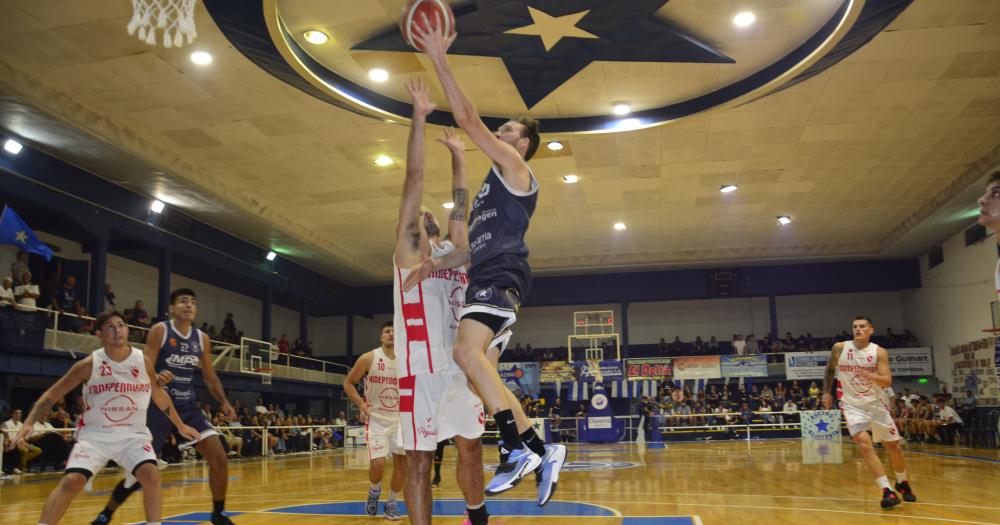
x=828, y=498
x=615, y=512
x=954, y=456
x=882, y=514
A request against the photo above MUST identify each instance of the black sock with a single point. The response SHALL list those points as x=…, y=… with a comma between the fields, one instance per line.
x=104, y=516
x=218, y=506
x=508, y=429
x=532, y=441
x=504, y=452
x=478, y=516
x=437, y=470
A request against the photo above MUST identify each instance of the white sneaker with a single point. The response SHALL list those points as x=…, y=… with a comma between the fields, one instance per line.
x=520, y=463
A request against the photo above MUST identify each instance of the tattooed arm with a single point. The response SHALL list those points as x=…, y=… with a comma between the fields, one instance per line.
x=830, y=374
x=79, y=373
x=458, y=220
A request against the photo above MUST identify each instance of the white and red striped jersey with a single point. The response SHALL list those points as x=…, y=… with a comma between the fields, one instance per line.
x=426, y=317
x=115, y=398
x=852, y=388
x=381, y=390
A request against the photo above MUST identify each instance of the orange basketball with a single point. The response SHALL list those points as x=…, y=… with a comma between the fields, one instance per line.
x=434, y=10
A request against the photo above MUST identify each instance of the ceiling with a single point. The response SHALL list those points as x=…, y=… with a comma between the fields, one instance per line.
x=869, y=158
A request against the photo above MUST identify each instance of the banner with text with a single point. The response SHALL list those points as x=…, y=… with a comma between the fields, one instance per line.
x=910, y=361
x=520, y=377
x=652, y=368
x=974, y=367
x=592, y=371
x=699, y=367
x=557, y=371
x=805, y=365
x=744, y=366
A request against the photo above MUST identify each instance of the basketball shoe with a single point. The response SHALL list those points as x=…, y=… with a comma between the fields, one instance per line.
x=889, y=498
x=904, y=489
x=552, y=463
x=520, y=463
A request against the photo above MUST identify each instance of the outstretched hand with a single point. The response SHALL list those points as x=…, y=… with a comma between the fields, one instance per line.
x=419, y=94
x=417, y=274
x=433, y=41
x=452, y=141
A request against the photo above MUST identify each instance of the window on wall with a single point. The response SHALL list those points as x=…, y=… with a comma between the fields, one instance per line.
x=935, y=257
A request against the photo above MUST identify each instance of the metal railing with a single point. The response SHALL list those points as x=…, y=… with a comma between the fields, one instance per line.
x=226, y=354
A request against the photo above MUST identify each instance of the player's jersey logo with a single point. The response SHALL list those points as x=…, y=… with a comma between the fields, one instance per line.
x=389, y=398
x=185, y=361
x=135, y=372
x=173, y=342
x=484, y=295
x=119, y=408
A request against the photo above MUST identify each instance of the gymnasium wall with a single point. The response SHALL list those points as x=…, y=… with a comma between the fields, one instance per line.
x=824, y=315
x=953, y=304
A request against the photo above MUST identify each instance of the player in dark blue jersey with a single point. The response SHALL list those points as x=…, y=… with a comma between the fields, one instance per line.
x=176, y=346
x=499, y=274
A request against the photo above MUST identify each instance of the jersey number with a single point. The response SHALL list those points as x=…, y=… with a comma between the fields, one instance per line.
x=381, y=366
x=105, y=370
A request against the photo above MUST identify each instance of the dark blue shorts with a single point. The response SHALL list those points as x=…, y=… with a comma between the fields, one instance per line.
x=161, y=427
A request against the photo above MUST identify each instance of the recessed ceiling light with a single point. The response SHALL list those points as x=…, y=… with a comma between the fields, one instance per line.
x=271, y=256
x=784, y=219
x=448, y=205
x=621, y=109
x=555, y=145
x=315, y=37
x=744, y=19
x=12, y=146
x=628, y=123
x=728, y=188
x=156, y=206
x=571, y=179
x=382, y=160
x=378, y=75
x=619, y=226
x=201, y=58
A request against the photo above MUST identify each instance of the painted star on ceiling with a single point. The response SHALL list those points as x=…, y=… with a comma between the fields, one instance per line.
x=544, y=43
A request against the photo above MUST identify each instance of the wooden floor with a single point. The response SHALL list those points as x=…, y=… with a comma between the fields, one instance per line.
x=755, y=482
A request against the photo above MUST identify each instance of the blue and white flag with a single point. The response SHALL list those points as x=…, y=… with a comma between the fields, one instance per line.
x=579, y=391
x=13, y=230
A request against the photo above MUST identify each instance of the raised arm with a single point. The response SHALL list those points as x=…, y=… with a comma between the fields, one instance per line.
x=458, y=220
x=435, y=44
x=360, y=368
x=408, y=231
x=77, y=375
x=830, y=374
x=457, y=257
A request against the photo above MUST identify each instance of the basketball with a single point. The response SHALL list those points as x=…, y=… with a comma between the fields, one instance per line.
x=414, y=14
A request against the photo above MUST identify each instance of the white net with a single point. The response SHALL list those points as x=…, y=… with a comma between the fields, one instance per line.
x=174, y=19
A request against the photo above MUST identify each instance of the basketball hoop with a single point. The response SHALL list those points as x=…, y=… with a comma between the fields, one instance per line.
x=175, y=18
x=265, y=375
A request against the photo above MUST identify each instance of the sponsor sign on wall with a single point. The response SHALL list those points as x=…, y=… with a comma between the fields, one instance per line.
x=653, y=368
x=699, y=367
x=744, y=365
x=806, y=365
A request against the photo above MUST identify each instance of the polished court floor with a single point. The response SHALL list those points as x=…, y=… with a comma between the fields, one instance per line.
x=775, y=482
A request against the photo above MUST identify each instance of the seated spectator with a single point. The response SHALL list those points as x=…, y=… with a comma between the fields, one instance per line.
x=583, y=408
x=7, y=293
x=137, y=315
x=84, y=326
x=813, y=390
x=765, y=407
x=766, y=394
x=260, y=408
x=26, y=294
x=795, y=393
x=713, y=395
x=24, y=453
x=746, y=415
x=969, y=402
x=55, y=446
x=233, y=442
x=789, y=406
x=780, y=394
x=109, y=298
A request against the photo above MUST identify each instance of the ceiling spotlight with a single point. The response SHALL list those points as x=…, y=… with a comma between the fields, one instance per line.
x=448, y=205
x=12, y=146
x=555, y=145
x=378, y=75
x=728, y=188
x=382, y=160
x=619, y=226
x=627, y=124
x=201, y=58
x=621, y=109
x=316, y=37
x=784, y=219
x=156, y=206
x=571, y=179
x=744, y=19
x=271, y=256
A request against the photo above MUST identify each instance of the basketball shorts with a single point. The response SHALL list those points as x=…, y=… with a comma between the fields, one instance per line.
x=435, y=407
x=161, y=427
x=383, y=438
x=874, y=417
x=492, y=305
x=89, y=456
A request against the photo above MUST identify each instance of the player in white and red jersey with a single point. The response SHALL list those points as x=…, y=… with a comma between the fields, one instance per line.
x=116, y=391
x=989, y=215
x=379, y=410
x=863, y=375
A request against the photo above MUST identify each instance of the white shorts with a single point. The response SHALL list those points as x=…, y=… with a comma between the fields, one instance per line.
x=88, y=457
x=436, y=407
x=383, y=438
x=874, y=417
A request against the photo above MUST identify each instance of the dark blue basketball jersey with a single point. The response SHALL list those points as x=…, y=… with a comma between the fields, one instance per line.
x=497, y=225
x=180, y=354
